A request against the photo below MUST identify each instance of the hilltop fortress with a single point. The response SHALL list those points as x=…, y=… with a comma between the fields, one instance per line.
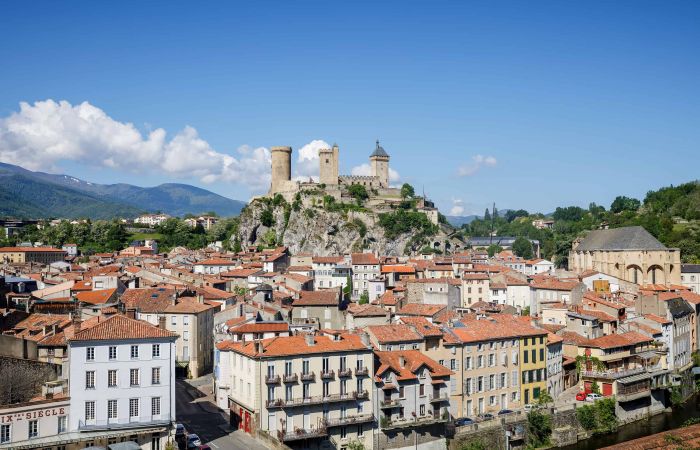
x=381, y=195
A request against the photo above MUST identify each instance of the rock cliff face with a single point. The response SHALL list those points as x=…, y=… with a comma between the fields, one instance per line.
x=321, y=232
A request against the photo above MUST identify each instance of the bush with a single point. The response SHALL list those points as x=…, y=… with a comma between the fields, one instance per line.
x=539, y=428
x=586, y=417
x=401, y=222
x=267, y=218
x=358, y=192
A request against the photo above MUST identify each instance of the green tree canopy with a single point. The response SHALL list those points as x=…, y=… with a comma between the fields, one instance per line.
x=622, y=203
x=407, y=191
x=522, y=247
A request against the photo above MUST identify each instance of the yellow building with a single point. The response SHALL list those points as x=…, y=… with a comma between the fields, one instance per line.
x=533, y=365
x=21, y=255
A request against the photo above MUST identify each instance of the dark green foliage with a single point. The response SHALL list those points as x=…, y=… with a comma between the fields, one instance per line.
x=267, y=218
x=91, y=237
x=358, y=192
x=487, y=215
x=586, y=417
x=473, y=445
x=600, y=416
x=407, y=191
x=539, y=428
x=512, y=215
x=622, y=203
x=569, y=213
x=523, y=248
x=402, y=221
x=493, y=249
x=364, y=298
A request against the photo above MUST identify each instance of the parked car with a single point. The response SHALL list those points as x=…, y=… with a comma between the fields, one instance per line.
x=463, y=421
x=485, y=416
x=581, y=396
x=180, y=430
x=503, y=412
x=530, y=406
x=593, y=397
x=193, y=441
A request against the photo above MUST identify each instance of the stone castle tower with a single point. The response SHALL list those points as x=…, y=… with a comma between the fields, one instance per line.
x=281, y=168
x=328, y=165
x=379, y=162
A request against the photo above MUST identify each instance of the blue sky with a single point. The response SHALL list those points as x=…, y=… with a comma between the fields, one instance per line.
x=565, y=102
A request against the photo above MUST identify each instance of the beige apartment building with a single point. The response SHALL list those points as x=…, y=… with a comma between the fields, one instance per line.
x=21, y=255
x=191, y=318
x=306, y=391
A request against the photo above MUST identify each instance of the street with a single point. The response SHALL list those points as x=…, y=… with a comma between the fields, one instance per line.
x=202, y=417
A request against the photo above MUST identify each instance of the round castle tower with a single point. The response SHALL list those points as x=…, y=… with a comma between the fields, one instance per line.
x=281, y=168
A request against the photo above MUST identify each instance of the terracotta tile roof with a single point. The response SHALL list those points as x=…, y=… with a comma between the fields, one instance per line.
x=327, y=259
x=216, y=262
x=441, y=280
x=618, y=340
x=514, y=281
x=364, y=259
x=386, y=299
x=553, y=338
x=475, y=276
x=366, y=310
x=119, y=327
x=389, y=334
x=422, y=326
x=236, y=321
x=658, y=319
x=150, y=300
x=262, y=327
x=554, y=285
x=600, y=315
x=96, y=297
x=82, y=285
x=494, y=327
x=317, y=298
x=420, y=309
x=573, y=338
x=398, y=268
x=188, y=305
x=413, y=361
x=239, y=273
x=32, y=327
x=299, y=268
x=298, y=278
x=644, y=327
x=295, y=345
x=552, y=328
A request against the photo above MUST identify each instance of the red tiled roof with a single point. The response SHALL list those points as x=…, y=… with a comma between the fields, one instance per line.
x=413, y=360
x=420, y=309
x=618, y=340
x=317, y=298
x=295, y=345
x=398, y=268
x=387, y=334
x=494, y=327
x=260, y=328
x=364, y=258
x=327, y=259
x=120, y=327
x=96, y=297
x=216, y=262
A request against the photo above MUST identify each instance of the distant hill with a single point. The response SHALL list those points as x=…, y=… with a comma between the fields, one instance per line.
x=458, y=221
x=24, y=193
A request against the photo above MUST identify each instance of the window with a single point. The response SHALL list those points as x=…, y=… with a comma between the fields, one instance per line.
x=4, y=434
x=112, y=378
x=33, y=429
x=492, y=360
x=401, y=392
x=525, y=357
x=62, y=424
x=453, y=364
x=173, y=320
x=155, y=406
x=155, y=375
x=185, y=320
x=185, y=335
x=421, y=390
x=112, y=409
x=89, y=410
x=90, y=379
x=134, y=351
x=343, y=432
x=134, y=377
x=534, y=355
x=133, y=407
x=155, y=352
x=468, y=362
x=90, y=354
x=541, y=354
x=422, y=410
x=112, y=352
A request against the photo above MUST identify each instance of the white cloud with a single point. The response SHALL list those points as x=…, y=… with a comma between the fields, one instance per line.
x=307, y=162
x=457, y=207
x=366, y=170
x=42, y=134
x=478, y=161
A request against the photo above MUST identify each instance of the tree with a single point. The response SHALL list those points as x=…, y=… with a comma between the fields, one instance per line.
x=267, y=218
x=364, y=298
x=493, y=249
x=622, y=203
x=512, y=215
x=544, y=398
x=347, y=290
x=487, y=215
x=407, y=191
x=586, y=417
x=473, y=445
x=358, y=192
x=595, y=388
x=237, y=245
x=522, y=247
x=539, y=428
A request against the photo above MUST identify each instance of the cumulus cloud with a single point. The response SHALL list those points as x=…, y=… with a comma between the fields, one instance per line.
x=478, y=161
x=457, y=207
x=40, y=135
x=307, y=160
x=366, y=170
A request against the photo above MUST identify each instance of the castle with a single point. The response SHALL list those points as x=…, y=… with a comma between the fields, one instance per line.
x=282, y=182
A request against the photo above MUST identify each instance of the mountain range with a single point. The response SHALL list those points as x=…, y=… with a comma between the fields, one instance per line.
x=28, y=194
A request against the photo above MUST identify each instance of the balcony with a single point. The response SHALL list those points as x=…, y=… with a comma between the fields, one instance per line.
x=349, y=420
x=316, y=400
x=327, y=375
x=272, y=379
x=439, y=397
x=308, y=376
x=611, y=374
x=300, y=433
x=389, y=403
x=291, y=378
x=344, y=373
x=124, y=422
x=409, y=422
x=361, y=372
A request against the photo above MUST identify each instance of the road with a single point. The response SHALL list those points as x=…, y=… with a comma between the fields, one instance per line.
x=200, y=416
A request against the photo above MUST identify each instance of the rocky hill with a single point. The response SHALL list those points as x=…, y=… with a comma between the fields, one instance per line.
x=332, y=229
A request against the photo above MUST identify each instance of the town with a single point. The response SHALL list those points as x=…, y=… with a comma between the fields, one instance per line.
x=262, y=347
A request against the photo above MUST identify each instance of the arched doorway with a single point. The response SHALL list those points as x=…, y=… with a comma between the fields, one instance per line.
x=634, y=274
x=656, y=275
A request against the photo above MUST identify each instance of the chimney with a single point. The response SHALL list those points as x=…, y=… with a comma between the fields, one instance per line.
x=258, y=347
x=161, y=322
x=402, y=361
x=364, y=338
x=309, y=338
x=76, y=324
x=173, y=299
x=200, y=299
